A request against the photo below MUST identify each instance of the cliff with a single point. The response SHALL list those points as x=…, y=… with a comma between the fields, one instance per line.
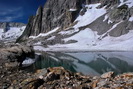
x=91, y=23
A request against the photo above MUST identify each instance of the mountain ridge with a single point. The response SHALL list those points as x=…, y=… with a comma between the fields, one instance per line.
x=97, y=25
x=10, y=31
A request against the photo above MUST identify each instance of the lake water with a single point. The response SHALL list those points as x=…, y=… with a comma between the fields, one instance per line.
x=88, y=63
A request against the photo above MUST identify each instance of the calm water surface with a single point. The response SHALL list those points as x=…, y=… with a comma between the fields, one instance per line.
x=88, y=63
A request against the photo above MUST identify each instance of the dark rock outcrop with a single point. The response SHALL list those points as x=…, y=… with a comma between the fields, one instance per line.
x=120, y=13
x=33, y=27
x=34, y=24
x=16, y=53
x=57, y=13
x=27, y=31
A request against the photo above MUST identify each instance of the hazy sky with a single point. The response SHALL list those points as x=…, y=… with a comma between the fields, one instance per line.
x=18, y=10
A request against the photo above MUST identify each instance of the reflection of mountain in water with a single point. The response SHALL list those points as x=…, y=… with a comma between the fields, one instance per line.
x=111, y=64
x=93, y=63
x=52, y=60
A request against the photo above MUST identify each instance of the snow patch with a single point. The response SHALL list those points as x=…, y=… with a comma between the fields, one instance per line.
x=90, y=15
x=45, y=34
x=69, y=32
x=105, y=18
x=51, y=38
x=109, y=21
x=127, y=2
x=11, y=34
x=38, y=43
x=131, y=19
x=38, y=53
x=84, y=37
x=72, y=9
x=39, y=48
x=28, y=61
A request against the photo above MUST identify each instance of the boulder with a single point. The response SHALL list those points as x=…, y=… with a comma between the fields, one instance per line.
x=16, y=53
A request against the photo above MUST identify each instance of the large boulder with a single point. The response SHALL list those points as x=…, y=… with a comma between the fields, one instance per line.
x=16, y=54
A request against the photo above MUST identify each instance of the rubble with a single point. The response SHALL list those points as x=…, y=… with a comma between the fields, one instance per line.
x=60, y=78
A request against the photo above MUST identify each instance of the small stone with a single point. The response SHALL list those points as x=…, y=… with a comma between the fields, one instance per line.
x=1, y=67
x=10, y=88
x=94, y=84
x=2, y=76
x=41, y=77
x=107, y=75
x=95, y=77
x=11, y=64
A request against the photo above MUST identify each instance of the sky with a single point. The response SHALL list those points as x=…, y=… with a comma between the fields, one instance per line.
x=18, y=10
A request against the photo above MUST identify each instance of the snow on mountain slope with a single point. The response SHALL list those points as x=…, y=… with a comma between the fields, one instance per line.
x=11, y=34
x=45, y=34
x=84, y=37
x=90, y=15
x=88, y=39
x=92, y=43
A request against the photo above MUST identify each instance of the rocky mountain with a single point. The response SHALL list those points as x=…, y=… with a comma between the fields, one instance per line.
x=11, y=30
x=7, y=25
x=81, y=25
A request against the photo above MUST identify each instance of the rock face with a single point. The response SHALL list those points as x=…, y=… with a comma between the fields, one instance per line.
x=59, y=13
x=55, y=13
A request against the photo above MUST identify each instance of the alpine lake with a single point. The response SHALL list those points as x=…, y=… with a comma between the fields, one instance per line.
x=87, y=63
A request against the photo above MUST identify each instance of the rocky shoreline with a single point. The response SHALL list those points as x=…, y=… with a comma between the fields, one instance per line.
x=60, y=78
x=12, y=77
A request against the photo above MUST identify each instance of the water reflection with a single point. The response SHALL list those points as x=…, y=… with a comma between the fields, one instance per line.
x=88, y=63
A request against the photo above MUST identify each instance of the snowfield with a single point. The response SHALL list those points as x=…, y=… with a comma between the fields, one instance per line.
x=11, y=34
x=88, y=41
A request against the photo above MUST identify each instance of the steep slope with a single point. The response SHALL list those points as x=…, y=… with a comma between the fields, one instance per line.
x=10, y=31
x=92, y=25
